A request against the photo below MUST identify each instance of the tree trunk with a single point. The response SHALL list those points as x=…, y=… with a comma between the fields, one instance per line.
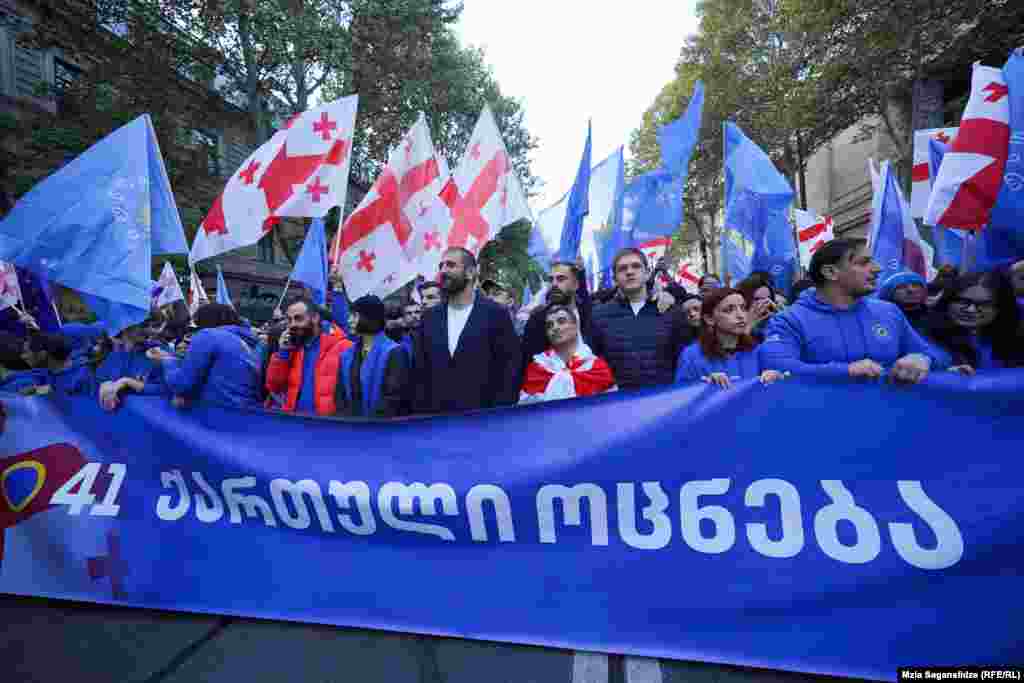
x=252, y=95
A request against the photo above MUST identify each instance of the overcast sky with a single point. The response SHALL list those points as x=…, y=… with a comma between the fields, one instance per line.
x=570, y=60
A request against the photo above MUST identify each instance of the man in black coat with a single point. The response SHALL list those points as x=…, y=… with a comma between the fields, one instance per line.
x=467, y=351
x=639, y=342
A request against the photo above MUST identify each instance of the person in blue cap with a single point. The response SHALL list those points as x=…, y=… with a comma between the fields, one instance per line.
x=909, y=292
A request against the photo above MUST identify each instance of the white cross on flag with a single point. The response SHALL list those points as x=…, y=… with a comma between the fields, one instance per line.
x=10, y=291
x=921, y=173
x=400, y=226
x=484, y=194
x=813, y=231
x=167, y=289
x=196, y=295
x=971, y=176
x=302, y=171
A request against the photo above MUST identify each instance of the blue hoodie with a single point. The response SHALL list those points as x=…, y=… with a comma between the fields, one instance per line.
x=693, y=365
x=222, y=367
x=812, y=337
x=371, y=373
x=124, y=363
x=74, y=380
x=82, y=336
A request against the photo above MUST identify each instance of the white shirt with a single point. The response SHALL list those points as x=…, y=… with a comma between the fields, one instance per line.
x=457, y=318
x=637, y=305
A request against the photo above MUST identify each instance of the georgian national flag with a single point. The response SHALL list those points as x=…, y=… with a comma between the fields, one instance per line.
x=484, y=193
x=921, y=175
x=971, y=175
x=687, y=278
x=400, y=225
x=812, y=232
x=302, y=171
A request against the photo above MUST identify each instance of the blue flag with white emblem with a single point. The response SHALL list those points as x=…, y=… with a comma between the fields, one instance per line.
x=887, y=226
x=311, y=265
x=223, y=296
x=757, y=234
x=95, y=224
x=577, y=208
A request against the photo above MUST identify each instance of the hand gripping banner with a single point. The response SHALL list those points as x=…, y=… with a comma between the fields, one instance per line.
x=833, y=528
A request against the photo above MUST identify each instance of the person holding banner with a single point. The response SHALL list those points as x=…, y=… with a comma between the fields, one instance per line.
x=837, y=330
x=639, y=340
x=222, y=364
x=374, y=373
x=52, y=369
x=978, y=323
x=726, y=351
x=568, y=368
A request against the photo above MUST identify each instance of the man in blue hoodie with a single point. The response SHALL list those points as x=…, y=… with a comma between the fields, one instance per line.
x=222, y=364
x=52, y=369
x=837, y=330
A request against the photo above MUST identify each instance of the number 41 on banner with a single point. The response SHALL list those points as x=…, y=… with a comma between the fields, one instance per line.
x=84, y=480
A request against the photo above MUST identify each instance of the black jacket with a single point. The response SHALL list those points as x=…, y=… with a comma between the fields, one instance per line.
x=484, y=373
x=641, y=349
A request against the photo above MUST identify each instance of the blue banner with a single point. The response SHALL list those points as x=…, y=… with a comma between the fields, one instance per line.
x=832, y=528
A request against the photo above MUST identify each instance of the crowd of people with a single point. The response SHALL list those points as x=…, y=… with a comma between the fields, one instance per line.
x=465, y=345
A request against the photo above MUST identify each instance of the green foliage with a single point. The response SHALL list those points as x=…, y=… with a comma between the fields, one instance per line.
x=60, y=137
x=505, y=259
x=8, y=123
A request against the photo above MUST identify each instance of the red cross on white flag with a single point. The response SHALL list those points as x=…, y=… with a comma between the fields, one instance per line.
x=971, y=176
x=397, y=226
x=10, y=291
x=196, y=295
x=302, y=171
x=812, y=231
x=920, y=173
x=484, y=193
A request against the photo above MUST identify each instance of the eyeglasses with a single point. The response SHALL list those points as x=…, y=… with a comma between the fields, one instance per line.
x=985, y=306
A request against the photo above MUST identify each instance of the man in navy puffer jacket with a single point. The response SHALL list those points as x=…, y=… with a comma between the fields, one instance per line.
x=639, y=342
x=837, y=330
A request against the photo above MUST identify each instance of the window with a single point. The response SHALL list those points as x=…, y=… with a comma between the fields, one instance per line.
x=64, y=75
x=209, y=141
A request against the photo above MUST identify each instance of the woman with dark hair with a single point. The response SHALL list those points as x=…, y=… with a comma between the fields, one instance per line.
x=725, y=350
x=222, y=364
x=978, y=323
x=760, y=297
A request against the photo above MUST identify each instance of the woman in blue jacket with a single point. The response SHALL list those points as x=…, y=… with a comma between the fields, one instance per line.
x=725, y=350
x=222, y=364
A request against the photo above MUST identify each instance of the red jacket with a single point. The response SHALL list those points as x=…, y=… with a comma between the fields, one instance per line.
x=286, y=375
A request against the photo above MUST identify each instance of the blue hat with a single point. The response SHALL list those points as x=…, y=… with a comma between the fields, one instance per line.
x=893, y=281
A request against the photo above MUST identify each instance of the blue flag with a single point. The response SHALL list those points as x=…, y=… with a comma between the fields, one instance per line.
x=527, y=294
x=94, y=225
x=887, y=218
x=757, y=234
x=1002, y=241
x=678, y=139
x=311, y=265
x=223, y=296
x=577, y=209
x=653, y=201
x=607, y=188
x=339, y=310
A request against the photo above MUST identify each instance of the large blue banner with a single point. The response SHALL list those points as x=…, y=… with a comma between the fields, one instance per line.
x=834, y=528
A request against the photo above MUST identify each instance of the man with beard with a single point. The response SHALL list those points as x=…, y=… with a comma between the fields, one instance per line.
x=837, y=330
x=304, y=370
x=467, y=352
x=563, y=283
x=375, y=371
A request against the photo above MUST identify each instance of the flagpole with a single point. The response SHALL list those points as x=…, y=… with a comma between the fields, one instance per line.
x=283, y=294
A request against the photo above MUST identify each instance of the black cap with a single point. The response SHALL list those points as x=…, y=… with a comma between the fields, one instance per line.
x=371, y=308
